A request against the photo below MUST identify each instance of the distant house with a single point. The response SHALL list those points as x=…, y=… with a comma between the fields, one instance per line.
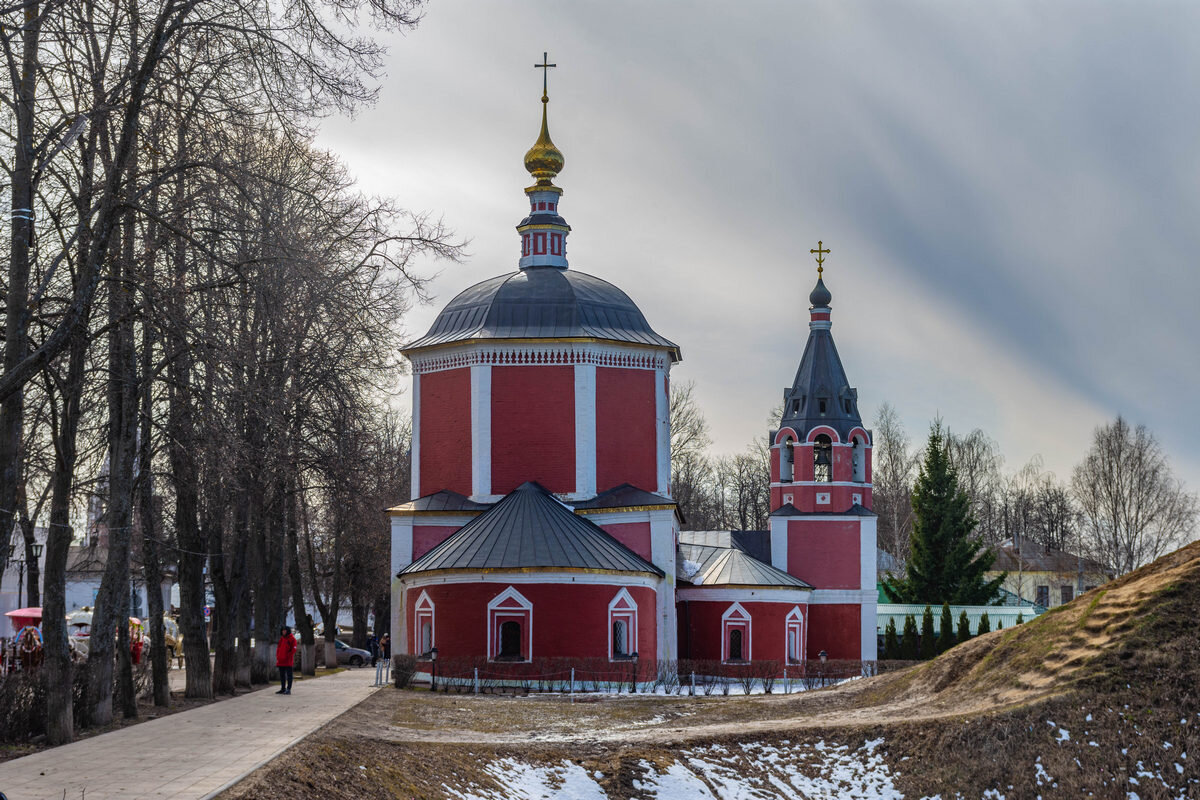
x=1043, y=575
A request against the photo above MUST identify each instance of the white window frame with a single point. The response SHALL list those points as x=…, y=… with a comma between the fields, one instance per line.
x=422, y=611
x=794, y=625
x=509, y=605
x=625, y=609
x=737, y=618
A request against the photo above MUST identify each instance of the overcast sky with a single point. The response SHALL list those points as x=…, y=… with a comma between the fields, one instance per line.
x=1011, y=193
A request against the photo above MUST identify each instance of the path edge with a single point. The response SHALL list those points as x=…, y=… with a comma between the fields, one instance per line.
x=232, y=782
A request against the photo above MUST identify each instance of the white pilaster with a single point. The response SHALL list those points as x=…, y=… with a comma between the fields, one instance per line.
x=869, y=577
x=585, y=431
x=662, y=555
x=402, y=544
x=779, y=542
x=662, y=417
x=481, y=431
x=415, y=454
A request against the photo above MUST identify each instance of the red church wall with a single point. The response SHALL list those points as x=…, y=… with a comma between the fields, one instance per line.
x=569, y=620
x=533, y=428
x=836, y=629
x=626, y=433
x=446, y=431
x=427, y=537
x=824, y=553
x=634, y=535
x=702, y=639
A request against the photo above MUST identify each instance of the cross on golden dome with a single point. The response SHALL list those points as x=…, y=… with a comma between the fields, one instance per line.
x=820, y=252
x=545, y=67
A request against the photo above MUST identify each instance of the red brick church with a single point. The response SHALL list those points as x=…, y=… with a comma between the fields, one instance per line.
x=543, y=524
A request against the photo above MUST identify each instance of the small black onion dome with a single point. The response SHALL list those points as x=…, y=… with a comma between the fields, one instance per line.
x=820, y=295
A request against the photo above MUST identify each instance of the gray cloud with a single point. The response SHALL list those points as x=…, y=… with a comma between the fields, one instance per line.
x=1010, y=191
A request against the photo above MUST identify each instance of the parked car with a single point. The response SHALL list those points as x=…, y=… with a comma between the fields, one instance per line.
x=351, y=655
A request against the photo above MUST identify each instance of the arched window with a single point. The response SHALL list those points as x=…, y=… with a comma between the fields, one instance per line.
x=424, y=629
x=510, y=626
x=619, y=639
x=735, y=634
x=823, y=459
x=622, y=626
x=858, y=460
x=735, y=645
x=510, y=640
x=794, y=629
x=787, y=461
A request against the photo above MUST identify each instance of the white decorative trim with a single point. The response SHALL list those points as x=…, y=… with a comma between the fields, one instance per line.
x=550, y=354
x=481, y=431
x=740, y=594
x=868, y=566
x=737, y=617
x=662, y=427
x=419, y=579
x=793, y=620
x=823, y=498
x=630, y=615
x=585, y=430
x=424, y=608
x=524, y=609
x=782, y=484
x=843, y=597
x=779, y=542
x=415, y=449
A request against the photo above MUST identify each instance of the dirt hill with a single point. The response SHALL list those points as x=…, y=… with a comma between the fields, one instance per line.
x=1096, y=698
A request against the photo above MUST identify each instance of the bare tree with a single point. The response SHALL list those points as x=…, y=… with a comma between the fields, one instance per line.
x=893, y=471
x=1133, y=508
x=977, y=460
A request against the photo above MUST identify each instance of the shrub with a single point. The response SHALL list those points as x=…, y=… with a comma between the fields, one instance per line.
x=891, y=644
x=908, y=645
x=946, y=638
x=928, y=642
x=985, y=625
x=404, y=666
x=964, y=627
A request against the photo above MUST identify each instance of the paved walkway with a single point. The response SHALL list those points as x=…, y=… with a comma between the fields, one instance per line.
x=189, y=755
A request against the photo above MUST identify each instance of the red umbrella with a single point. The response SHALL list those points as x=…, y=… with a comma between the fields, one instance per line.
x=25, y=616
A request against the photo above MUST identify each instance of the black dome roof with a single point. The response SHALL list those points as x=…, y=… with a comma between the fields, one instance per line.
x=543, y=303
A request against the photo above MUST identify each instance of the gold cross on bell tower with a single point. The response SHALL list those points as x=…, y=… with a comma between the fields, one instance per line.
x=545, y=67
x=820, y=252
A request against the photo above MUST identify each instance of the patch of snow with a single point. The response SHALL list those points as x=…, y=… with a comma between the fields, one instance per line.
x=522, y=781
x=690, y=568
x=1064, y=735
x=1040, y=773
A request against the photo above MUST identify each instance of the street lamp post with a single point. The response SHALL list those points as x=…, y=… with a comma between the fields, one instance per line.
x=19, y=563
x=433, y=670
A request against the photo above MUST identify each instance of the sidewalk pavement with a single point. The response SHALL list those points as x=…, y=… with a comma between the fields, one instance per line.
x=188, y=755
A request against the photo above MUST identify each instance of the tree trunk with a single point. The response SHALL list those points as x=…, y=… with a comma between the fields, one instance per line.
x=16, y=323
x=308, y=654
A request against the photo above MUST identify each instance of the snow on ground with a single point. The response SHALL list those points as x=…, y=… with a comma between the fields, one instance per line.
x=749, y=771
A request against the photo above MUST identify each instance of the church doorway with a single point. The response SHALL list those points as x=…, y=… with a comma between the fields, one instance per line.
x=510, y=640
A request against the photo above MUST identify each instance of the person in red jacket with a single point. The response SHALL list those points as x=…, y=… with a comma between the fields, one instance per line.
x=285, y=659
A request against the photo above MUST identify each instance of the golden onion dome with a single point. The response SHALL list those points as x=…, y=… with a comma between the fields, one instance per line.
x=544, y=161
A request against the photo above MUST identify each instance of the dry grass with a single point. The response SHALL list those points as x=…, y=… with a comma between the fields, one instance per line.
x=1127, y=655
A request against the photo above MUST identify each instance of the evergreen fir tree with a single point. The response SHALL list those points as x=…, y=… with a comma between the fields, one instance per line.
x=946, y=638
x=908, y=645
x=985, y=625
x=1020, y=617
x=947, y=562
x=999, y=624
x=964, y=627
x=928, y=640
x=891, y=644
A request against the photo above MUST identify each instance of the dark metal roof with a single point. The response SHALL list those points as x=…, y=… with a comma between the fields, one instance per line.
x=820, y=376
x=531, y=528
x=543, y=303
x=624, y=496
x=789, y=510
x=703, y=565
x=445, y=500
x=753, y=543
